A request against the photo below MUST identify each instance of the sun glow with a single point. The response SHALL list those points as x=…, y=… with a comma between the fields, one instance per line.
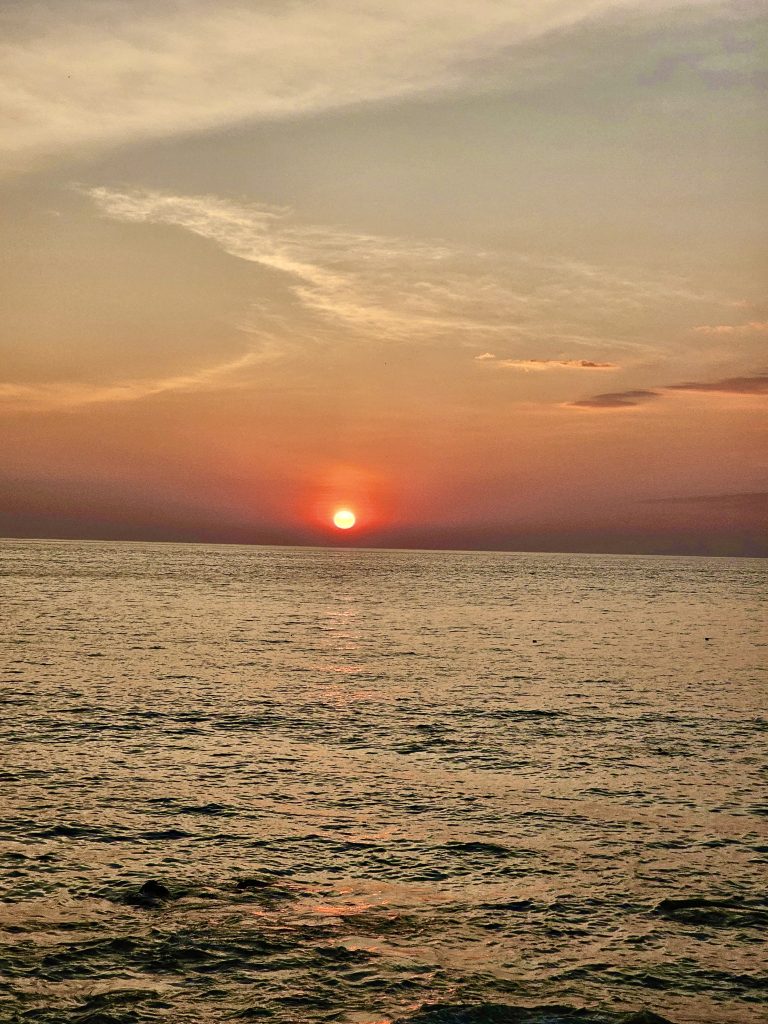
x=343, y=519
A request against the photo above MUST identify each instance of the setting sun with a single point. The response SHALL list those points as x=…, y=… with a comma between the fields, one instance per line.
x=343, y=519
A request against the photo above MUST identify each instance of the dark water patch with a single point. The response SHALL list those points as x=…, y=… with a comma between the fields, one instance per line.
x=206, y=809
x=150, y=894
x=523, y=714
x=719, y=843
x=378, y=923
x=165, y=834
x=479, y=847
x=584, y=971
x=501, y=714
x=197, y=951
x=680, y=977
x=79, y=830
x=76, y=959
x=496, y=1013
x=403, y=859
x=511, y=906
x=344, y=955
x=179, y=952
x=264, y=891
x=129, y=1006
x=733, y=912
x=254, y=883
x=615, y=793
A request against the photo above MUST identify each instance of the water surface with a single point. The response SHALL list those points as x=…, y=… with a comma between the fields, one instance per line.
x=373, y=780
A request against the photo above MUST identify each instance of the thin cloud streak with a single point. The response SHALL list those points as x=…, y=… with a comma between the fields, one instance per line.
x=101, y=72
x=753, y=327
x=59, y=396
x=544, y=364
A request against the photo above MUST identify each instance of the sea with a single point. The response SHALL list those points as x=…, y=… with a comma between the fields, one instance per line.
x=301, y=785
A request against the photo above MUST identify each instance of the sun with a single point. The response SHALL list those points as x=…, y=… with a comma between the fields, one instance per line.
x=343, y=519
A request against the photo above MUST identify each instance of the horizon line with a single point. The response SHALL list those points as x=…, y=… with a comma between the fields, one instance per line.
x=360, y=547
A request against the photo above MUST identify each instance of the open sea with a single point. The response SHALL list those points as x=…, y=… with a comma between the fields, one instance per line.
x=306, y=785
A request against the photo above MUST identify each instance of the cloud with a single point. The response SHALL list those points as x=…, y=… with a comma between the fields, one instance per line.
x=65, y=395
x=343, y=287
x=753, y=327
x=754, y=385
x=84, y=72
x=616, y=400
x=385, y=288
x=545, y=364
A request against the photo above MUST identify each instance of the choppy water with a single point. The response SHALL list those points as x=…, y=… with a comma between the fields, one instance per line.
x=371, y=781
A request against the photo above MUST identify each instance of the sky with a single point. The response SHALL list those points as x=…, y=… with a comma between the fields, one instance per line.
x=490, y=274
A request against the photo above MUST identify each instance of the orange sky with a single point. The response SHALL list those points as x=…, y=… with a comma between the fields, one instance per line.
x=488, y=277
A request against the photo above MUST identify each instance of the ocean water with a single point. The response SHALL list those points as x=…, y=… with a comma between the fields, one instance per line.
x=301, y=785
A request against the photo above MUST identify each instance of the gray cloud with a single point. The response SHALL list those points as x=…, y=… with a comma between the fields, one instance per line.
x=616, y=400
x=754, y=385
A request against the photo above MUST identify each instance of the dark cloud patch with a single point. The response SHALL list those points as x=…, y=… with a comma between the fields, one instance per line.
x=616, y=399
x=755, y=385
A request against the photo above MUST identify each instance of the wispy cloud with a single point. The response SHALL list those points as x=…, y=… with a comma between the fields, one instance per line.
x=536, y=365
x=348, y=287
x=63, y=395
x=400, y=289
x=753, y=327
x=352, y=287
x=80, y=72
